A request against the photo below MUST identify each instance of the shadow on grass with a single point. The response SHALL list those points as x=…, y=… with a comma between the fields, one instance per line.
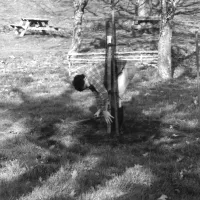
x=157, y=140
x=148, y=141
x=41, y=116
x=26, y=182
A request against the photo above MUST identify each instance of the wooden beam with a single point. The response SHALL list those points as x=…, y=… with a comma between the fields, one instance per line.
x=25, y=29
x=34, y=19
x=17, y=26
x=115, y=95
x=197, y=63
x=140, y=19
x=108, y=60
x=117, y=53
x=133, y=18
x=87, y=54
x=41, y=28
x=149, y=18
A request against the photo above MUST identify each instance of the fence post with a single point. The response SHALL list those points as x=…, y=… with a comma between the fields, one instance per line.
x=108, y=65
x=197, y=63
x=115, y=95
x=111, y=72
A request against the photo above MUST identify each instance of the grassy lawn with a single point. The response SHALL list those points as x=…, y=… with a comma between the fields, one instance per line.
x=46, y=154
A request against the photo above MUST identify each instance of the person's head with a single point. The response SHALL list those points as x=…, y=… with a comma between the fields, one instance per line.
x=80, y=82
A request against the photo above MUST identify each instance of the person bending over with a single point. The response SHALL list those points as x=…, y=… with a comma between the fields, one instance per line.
x=93, y=79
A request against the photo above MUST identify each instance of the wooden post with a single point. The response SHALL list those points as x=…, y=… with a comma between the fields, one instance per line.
x=108, y=64
x=115, y=96
x=197, y=62
x=25, y=28
x=111, y=72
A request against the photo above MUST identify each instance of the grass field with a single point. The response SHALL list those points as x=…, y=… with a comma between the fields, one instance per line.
x=45, y=154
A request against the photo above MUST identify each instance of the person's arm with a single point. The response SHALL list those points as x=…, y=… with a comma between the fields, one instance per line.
x=95, y=76
x=101, y=96
x=102, y=99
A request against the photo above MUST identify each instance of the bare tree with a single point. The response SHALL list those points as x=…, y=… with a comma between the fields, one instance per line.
x=144, y=7
x=79, y=6
x=164, y=44
x=189, y=7
x=170, y=8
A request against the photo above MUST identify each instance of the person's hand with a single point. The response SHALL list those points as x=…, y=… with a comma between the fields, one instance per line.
x=97, y=113
x=107, y=116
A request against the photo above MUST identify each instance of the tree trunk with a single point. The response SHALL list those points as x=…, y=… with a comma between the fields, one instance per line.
x=164, y=52
x=144, y=8
x=79, y=6
x=164, y=45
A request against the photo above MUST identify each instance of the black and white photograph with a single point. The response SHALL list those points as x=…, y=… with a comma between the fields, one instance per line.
x=99, y=100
